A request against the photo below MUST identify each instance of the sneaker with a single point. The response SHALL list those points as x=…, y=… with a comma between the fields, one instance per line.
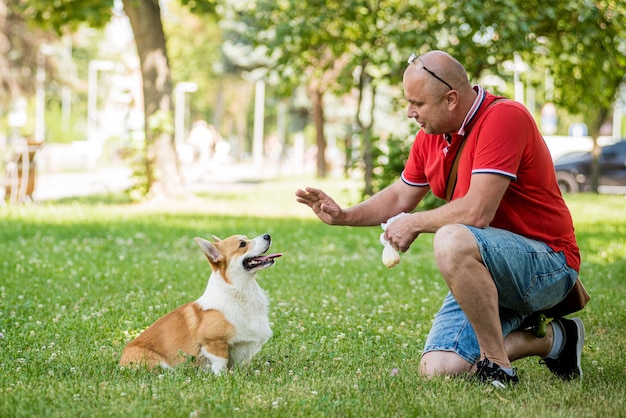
x=567, y=365
x=489, y=372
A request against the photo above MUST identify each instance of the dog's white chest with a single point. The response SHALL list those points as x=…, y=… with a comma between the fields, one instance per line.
x=247, y=310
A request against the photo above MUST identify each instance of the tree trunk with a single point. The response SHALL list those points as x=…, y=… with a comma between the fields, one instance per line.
x=365, y=130
x=163, y=178
x=317, y=99
x=595, y=153
x=6, y=77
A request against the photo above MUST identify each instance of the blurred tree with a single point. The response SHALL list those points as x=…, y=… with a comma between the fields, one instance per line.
x=338, y=47
x=379, y=37
x=19, y=48
x=161, y=171
x=301, y=52
x=483, y=35
x=584, y=46
x=361, y=45
x=160, y=154
x=582, y=43
x=9, y=23
x=194, y=48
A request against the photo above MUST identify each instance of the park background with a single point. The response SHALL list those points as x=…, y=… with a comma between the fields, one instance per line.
x=105, y=95
x=285, y=87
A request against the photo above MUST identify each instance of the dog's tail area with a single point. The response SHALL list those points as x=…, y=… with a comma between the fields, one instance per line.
x=136, y=356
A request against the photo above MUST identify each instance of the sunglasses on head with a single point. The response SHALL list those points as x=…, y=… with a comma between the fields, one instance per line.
x=413, y=58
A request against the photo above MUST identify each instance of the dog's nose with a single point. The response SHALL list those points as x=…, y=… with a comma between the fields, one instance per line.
x=267, y=237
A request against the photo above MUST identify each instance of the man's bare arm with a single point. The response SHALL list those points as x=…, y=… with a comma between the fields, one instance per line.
x=477, y=208
x=396, y=198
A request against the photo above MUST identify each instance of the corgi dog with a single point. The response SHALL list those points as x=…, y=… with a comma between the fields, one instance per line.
x=226, y=326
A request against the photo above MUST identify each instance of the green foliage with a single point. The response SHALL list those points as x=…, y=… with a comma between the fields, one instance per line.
x=67, y=15
x=81, y=279
x=389, y=161
x=134, y=155
x=161, y=122
x=373, y=37
x=480, y=35
x=581, y=43
x=207, y=7
x=586, y=53
x=57, y=131
x=194, y=51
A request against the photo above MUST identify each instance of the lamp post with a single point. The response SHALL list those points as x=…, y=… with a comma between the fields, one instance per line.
x=17, y=117
x=179, y=117
x=259, y=115
x=517, y=67
x=40, y=92
x=92, y=95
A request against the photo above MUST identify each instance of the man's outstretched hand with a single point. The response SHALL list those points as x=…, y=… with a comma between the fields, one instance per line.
x=322, y=205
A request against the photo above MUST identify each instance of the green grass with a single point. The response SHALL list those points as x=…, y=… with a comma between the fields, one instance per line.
x=80, y=278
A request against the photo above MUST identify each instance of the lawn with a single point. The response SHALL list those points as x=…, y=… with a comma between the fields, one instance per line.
x=80, y=278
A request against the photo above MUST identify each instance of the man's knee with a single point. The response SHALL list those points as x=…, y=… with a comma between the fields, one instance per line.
x=452, y=243
x=443, y=363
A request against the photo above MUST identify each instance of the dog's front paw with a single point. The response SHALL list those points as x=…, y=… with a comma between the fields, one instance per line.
x=391, y=258
x=218, y=368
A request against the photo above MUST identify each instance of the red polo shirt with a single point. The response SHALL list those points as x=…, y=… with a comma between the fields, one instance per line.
x=501, y=139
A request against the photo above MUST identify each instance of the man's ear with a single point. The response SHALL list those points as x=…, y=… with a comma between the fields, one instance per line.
x=452, y=99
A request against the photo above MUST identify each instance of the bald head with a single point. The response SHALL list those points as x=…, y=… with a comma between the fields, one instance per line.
x=446, y=67
x=438, y=92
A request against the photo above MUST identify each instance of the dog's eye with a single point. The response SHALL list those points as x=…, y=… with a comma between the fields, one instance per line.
x=242, y=244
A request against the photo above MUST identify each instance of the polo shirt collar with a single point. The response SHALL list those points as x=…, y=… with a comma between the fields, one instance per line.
x=480, y=98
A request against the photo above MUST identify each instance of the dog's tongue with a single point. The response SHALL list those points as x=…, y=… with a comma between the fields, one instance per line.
x=262, y=259
x=269, y=257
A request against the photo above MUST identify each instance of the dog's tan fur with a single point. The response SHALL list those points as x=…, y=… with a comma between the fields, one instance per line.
x=224, y=327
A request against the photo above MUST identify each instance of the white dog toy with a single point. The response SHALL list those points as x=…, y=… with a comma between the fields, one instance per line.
x=391, y=258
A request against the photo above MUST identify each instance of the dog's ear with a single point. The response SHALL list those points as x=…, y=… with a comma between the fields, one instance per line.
x=209, y=249
x=216, y=239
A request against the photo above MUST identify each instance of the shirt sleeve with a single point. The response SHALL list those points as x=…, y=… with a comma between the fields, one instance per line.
x=499, y=149
x=414, y=173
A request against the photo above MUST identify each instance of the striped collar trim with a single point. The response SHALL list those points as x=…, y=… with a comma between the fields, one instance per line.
x=480, y=98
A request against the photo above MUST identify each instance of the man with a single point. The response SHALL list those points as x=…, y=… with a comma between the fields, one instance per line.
x=504, y=242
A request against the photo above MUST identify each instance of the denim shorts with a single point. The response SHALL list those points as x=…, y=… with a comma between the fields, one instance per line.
x=529, y=276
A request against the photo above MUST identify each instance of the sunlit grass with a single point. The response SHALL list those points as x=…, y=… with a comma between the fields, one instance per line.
x=79, y=279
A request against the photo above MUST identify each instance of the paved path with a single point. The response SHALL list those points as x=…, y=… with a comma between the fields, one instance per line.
x=52, y=186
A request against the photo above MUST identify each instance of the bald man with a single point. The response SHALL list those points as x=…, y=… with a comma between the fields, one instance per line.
x=504, y=241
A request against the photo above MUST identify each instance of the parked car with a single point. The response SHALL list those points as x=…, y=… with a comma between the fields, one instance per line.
x=573, y=170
